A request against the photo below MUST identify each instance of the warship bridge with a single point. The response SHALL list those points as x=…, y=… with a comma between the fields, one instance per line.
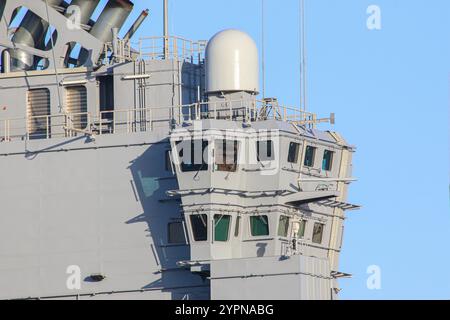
x=155, y=168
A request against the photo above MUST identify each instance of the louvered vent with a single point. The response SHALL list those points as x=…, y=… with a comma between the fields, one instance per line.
x=76, y=104
x=38, y=112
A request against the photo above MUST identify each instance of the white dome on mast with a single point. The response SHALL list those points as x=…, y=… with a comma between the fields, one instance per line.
x=232, y=63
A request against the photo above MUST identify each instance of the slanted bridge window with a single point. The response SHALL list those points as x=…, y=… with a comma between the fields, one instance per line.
x=310, y=154
x=199, y=223
x=226, y=155
x=327, y=160
x=318, y=233
x=283, y=226
x=293, y=152
x=193, y=155
x=176, y=233
x=259, y=226
x=221, y=227
x=265, y=151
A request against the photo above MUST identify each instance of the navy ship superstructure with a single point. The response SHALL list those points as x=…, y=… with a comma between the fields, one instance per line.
x=152, y=169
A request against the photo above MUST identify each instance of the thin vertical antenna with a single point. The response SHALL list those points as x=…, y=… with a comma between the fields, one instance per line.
x=303, y=57
x=166, y=29
x=263, y=64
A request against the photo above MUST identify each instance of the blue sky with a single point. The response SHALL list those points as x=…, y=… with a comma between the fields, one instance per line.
x=389, y=90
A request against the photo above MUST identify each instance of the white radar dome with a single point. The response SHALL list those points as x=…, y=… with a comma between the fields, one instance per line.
x=232, y=63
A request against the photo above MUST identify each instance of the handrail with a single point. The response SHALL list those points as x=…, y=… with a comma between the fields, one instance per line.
x=154, y=48
x=131, y=120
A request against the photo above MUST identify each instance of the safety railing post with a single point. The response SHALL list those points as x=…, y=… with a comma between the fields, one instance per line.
x=47, y=125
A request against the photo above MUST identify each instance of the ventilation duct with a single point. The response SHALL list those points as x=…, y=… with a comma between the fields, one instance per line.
x=113, y=16
x=31, y=32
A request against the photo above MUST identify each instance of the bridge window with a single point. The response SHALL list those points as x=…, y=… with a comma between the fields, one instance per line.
x=176, y=233
x=310, y=154
x=199, y=223
x=226, y=155
x=221, y=227
x=283, y=226
x=327, y=160
x=259, y=226
x=192, y=155
x=264, y=150
x=318, y=233
x=298, y=229
x=293, y=152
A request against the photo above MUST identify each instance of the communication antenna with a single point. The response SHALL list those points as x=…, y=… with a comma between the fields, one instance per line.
x=166, y=29
x=303, y=57
x=263, y=36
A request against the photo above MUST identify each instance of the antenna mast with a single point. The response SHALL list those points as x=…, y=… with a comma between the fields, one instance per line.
x=166, y=29
x=263, y=64
x=303, y=56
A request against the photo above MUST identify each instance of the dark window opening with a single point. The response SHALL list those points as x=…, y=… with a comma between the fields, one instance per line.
x=199, y=223
x=192, y=155
x=310, y=154
x=327, y=160
x=318, y=233
x=265, y=151
x=176, y=233
x=221, y=227
x=259, y=226
x=106, y=85
x=226, y=155
x=293, y=152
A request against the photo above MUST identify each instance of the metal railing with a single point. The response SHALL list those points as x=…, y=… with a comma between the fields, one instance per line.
x=155, y=48
x=143, y=120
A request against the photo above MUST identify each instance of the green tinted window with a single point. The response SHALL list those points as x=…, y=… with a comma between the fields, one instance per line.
x=259, y=226
x=309, y=156
x=327, y=160
x=199, y=223
x=221, y=227
x=283, y=226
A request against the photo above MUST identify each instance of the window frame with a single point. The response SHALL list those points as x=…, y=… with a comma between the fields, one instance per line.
x=226, y=167
x=204, y=166
x=182, y=230
x=286, y=226
x=272, y=150
x=194, y=238
x=330, y=161
x=321, y=234
x=251, y=226
x=297, y=152
x=230, y=222
x=313, y=157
